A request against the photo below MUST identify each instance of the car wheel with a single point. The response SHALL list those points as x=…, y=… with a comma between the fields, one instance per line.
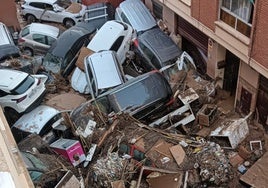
x=28, y=52
x=30, y=18
x=68, y=23
x=11, y=116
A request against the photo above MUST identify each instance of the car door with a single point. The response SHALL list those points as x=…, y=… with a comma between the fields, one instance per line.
x=40, y=44
x=50, y=14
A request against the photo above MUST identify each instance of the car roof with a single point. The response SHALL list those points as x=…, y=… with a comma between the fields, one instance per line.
x=138, y=15
x=44, y=29
x=35, y=120
x=11, y=78
x=109, y=33
x=105, y=69
x=160, y=43
x=65, y=41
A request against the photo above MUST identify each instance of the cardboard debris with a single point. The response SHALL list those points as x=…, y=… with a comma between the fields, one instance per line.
x=236, y=160
x=152, y=169
x=118, y=184
x=68, y=181
x=231, y=132
x=178, y=153
x=207, y=114
x=74, y=8
x=161, y=155
x=66, y=101
x=188, y=96
x=257, y=175
x=83, y=53
x=168, y=180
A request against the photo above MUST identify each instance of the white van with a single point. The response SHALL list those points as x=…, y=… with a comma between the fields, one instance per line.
x=136, y=14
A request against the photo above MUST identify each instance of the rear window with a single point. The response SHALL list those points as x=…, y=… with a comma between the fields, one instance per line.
x=24, y=85
x=25, y=31
x=149, y=90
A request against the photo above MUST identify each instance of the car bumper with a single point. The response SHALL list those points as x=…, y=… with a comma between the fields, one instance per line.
x=36, y=103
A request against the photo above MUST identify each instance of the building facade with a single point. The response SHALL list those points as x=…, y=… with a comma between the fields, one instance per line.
x=232, y=36
x=8, y=15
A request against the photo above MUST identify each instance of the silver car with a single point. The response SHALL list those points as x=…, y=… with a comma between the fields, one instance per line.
x=37, y=38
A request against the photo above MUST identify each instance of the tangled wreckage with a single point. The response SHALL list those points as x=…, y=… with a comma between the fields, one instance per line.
x=194, y=144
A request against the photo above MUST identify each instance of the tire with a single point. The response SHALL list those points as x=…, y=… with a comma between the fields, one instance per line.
x=28, y=52
x=68, y=23
x=30, y=18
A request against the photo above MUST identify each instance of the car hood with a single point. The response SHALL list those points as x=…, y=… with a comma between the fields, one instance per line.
x=8, y=50
x=35, y=120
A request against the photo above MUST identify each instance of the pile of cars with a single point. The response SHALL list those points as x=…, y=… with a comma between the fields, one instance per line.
x=123, y=61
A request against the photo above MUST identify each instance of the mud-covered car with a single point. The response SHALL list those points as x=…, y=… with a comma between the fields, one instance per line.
x=141, y=96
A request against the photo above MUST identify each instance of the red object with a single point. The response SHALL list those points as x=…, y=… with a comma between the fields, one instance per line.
x=69, y=149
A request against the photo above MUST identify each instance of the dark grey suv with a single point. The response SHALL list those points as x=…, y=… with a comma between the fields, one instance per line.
x=155, y=49
x=140, y=97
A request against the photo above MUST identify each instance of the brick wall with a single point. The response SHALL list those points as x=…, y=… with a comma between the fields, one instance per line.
x=8, y=14
x=205, y=11
x=260, y=35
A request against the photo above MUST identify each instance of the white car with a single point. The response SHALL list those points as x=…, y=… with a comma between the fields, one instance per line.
x=53, y=10
x=136, y=14
x=36, y=38
x=113, y=35
x=19, y=91
x=103, y=72
x=43, y=120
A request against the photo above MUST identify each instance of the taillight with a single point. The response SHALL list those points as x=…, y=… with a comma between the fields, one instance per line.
x=39, y=81
x=136, y=42
x=20, y=99
x=21, y=40
x=172, y=100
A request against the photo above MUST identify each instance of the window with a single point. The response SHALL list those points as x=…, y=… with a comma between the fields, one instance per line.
x=238, y=14
x=39, y=38
x=37, y=5
x=23, y=86
x=157, y=10
x=25, y=31
x=116, y=45
x=50, y=40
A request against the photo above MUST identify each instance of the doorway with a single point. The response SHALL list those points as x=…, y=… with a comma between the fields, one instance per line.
x=231, y=72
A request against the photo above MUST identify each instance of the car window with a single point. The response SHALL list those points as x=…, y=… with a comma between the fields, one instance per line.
x=38, y=5
x=103, y=104
x=126, y=98
x=68, y=58
x=124, y=18
x=2, y=93
x=48, y=6
x=116, y=45
x=24, y=85
x=39, y=38
x=150, y=55
x=50, y=40
x=25, y=31
x=149, y=90
x=91, y=79
x=48, y=126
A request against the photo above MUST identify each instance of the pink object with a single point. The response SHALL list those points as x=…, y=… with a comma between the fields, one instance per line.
x=69, y=149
